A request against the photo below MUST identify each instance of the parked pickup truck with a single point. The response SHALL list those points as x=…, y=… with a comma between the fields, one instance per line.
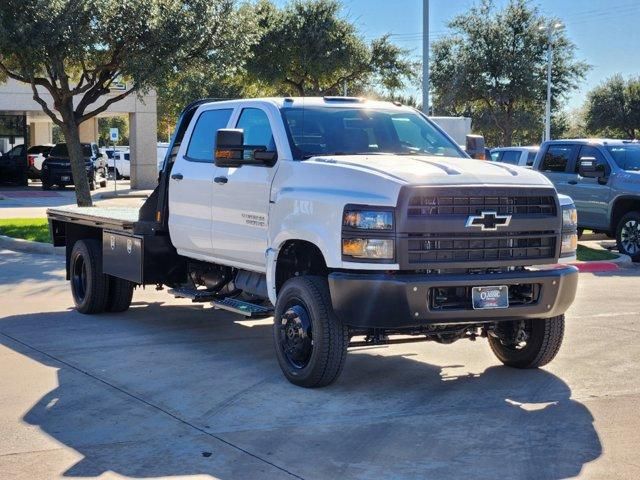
x=351, y=222
x=603, y=178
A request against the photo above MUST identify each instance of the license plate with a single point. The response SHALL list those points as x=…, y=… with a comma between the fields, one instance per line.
x=486, y=298
x=65, y=178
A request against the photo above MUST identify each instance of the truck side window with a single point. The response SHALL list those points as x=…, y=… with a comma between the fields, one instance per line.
x=257, y=130
x=203, y=138
x=587, y=151
x=512, y=157
x=531, y=158
x=556, y=158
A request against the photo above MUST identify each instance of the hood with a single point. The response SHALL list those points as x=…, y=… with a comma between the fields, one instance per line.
x=434, y=170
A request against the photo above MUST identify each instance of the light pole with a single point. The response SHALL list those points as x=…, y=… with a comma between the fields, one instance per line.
x=425, y=56
x=551, y=29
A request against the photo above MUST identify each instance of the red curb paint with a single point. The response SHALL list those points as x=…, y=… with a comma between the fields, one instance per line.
x=595, y=267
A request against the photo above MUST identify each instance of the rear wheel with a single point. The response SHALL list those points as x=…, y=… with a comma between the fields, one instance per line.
x=628, y=235
x=89, y=286
x=120, y=294
x=528, y=343
x=92, y=185
x=311, y=342
x=46, y=186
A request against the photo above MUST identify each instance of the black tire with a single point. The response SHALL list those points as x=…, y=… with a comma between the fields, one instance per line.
x=120, y=294
x=628, y=235
x=24, y=180
x=92, y=185
x=315, y=355
x=580, y=233
x=46, y=186
x=89, y=286
x=103, y=183
x=542, y=345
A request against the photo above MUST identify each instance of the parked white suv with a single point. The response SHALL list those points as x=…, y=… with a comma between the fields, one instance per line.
x=520, y=156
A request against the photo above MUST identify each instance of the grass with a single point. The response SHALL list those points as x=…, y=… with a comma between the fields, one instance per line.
x=34, y=229
x=587, y=254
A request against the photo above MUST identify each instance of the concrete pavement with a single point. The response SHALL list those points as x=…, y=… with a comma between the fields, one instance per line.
x=32, y=202
x=174, y=390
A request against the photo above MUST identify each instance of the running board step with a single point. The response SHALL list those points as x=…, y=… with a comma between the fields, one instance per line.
x=247, y=309
x=200, y=296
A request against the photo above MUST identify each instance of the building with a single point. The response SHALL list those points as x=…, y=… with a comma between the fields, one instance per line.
x=21, y=118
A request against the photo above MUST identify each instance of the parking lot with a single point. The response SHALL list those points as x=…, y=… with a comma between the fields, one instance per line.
x=170, y=389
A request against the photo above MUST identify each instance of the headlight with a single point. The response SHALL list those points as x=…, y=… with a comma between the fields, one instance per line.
x=368, y=248
x=569, y=244
x=569, y=218
x=368, y=219
x=569, y=231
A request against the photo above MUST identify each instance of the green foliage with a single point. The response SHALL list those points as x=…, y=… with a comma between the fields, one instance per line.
x=586, y=254
x=34, y=229
x=493, y=69
x=303, y=48
x=307, y=48
x=75, y=50
x=105, y=124
x=613, y=108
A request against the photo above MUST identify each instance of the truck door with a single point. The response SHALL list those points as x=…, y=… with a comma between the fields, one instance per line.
x=191, y=185
x=557, y=165
x=241, y=197
x=591, y=195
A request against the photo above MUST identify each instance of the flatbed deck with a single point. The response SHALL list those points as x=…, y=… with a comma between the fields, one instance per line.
x=117, y=218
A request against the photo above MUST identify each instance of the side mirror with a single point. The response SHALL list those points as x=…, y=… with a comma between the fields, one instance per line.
x=231, y=151
x=475, y=147
x=590, y=168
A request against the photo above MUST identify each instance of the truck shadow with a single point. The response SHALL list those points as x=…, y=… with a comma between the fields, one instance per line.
x=165, y=391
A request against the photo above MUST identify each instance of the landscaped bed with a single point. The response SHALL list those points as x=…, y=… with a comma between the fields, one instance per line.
x=586, y=254
x=34, y=229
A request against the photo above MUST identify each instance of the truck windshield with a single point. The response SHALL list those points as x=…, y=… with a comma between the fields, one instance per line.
x=60, y=150
x=363, y=131
x=627, y=157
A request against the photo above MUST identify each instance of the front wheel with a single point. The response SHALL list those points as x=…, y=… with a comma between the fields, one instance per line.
x=310, y=341
x=527, y=343
x=628, y=235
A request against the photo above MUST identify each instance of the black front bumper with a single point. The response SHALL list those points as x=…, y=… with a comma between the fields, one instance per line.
x=378, y=300
x=54, y=176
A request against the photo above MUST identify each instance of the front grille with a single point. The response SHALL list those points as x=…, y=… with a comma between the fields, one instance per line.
x=428, y=205
x=465, y=247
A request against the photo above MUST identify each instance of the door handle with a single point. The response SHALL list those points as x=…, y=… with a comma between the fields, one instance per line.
x=177, y=176
x=572, y=182
x=221, y=180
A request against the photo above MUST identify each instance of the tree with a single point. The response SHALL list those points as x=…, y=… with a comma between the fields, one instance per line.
x=74, y=51
x=307, y=48
x=493, y=68
x=106, y=124
x=613, y=108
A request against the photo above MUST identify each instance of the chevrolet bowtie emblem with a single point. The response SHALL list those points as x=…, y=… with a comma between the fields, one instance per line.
x=488, y=221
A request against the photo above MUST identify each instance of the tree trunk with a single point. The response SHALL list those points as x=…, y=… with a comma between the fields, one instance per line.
x=71, y=133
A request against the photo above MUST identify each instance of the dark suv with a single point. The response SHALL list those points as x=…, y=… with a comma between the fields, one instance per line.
x=603, y=179
x=56, y=169
x=14, y=167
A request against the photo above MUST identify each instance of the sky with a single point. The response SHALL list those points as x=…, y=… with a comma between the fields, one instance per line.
x=606, y=32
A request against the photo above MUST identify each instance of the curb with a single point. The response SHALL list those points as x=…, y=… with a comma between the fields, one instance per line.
x=27, y=246
x=596, y=267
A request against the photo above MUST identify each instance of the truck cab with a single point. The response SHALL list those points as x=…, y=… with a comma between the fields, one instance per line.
x=350, y=222
x=602, y=177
